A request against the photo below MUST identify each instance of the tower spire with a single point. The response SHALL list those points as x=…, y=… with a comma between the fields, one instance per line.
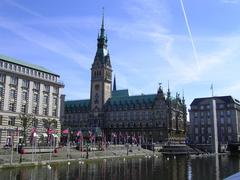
x=114, y=84
x=102, y=26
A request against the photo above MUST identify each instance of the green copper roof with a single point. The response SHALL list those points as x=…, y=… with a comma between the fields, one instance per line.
x=19, y=62
x=132, y=99
x=120, y=93
x=84, y=102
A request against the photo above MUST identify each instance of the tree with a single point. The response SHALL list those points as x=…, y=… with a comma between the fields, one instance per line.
x=27, y=121
x=50, y=125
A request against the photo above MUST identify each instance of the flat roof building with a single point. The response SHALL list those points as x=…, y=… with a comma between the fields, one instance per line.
x=228, y=120
x=27, y=91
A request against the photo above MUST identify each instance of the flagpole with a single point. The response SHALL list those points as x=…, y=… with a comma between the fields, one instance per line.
x=17, y=139
x=212, y=88
x=12, y=150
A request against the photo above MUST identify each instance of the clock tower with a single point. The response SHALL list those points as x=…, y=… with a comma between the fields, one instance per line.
x=101, y=74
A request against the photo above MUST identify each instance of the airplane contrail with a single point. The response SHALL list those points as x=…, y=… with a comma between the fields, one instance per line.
x=190, y=35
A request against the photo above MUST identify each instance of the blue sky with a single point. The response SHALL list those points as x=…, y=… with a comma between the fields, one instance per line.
x=148, y=43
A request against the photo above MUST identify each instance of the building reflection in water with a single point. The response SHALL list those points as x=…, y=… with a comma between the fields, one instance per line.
x=180, y=168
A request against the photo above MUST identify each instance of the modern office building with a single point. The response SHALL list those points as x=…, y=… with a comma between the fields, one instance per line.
x=153, y=117
x=228, y=120
x=27, y=90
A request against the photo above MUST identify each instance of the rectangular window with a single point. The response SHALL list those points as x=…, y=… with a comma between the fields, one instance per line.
x=12, y=94
x=209, y=130
x=36, y=85
x=222, y=120
x=195, y=114
x=12, y=107
x=1, y=119
x=45, y=111
x=46, y=88
x=55, y=90
x=11, y=120
x=35, y=97
x=1, y=90
x=229, y=130
x=196, y=139
x=24, y=96
x=54, y=112
x=221, y=113
x=229, y=120
x=208, y=114
x=45, y=99
x=228, y=113
x=2, y=78
x=35, y=110
x=13, y=80
x=24, y=108
x=25, y=83
x=196, y=130
x=55, y=101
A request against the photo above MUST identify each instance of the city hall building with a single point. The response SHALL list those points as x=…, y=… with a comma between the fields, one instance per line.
x=153, y=117
x=27, y=90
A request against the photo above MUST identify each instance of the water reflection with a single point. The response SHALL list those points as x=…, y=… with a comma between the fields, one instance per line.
x=179, y=168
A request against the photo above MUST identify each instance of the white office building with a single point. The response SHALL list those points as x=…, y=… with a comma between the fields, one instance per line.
x=27, y=89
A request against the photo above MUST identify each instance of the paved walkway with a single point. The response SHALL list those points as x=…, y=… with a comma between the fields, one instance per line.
x=64, y=155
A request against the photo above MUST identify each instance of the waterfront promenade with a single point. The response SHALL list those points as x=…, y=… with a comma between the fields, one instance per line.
x=66, y=155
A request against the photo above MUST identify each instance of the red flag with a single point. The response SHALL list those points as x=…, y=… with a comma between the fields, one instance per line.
x=79, y=133
x=51, y=131
x=33, y=130
x=66, y=131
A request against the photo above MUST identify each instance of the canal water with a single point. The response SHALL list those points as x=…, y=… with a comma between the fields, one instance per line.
x=179, y=168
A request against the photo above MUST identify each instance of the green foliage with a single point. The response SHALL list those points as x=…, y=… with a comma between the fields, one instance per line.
x=27, y=121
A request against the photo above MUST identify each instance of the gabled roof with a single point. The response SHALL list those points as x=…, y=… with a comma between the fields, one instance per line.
x=226, y=99
x=22, y=63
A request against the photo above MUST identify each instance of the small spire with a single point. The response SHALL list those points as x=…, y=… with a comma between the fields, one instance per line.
x=168, y=92
x=114, y=84
x=183, y=98
x=102, y=27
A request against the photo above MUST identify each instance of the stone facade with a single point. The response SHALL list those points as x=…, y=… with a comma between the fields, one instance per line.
x=228, y=120
x=154, y=117
x=26, y=89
